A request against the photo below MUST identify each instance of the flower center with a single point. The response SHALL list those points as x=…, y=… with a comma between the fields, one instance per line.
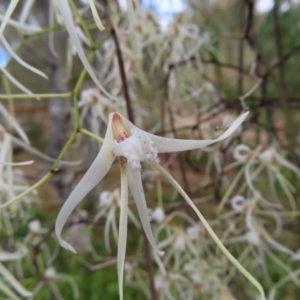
x=135, y=148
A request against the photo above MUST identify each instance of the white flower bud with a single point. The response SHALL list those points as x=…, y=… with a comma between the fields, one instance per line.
x=158, y=214
x=241, y=152
x=106, y=198
x=253, y=238
x=128, y=267
x=238, y=203
x=89, y=96
x=49, y=274
x=227, y=120
x=83, y=214
x=196, y=278
x=161, y=283
x=34, y=227
x=267, y=155
x=193, y=232
x=179, y=243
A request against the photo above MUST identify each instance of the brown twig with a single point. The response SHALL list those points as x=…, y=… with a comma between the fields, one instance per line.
x=173, y=129
x=121, y=66
x=282, y=82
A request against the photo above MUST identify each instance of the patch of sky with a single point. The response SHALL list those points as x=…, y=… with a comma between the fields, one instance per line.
x=264, y=6
x=4, y=56
x=165, y=9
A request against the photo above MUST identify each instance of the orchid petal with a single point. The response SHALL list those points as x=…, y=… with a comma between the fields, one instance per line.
x=284, y=162
x=277, y=245
x=109, y=219
x=131, y=14
x=5, y=290
x=122, y=227
x=42, y=155
x=11, y=7
x=96, y=16
x=37, y=289
x=133, y=219
x=13, y=282
x=14, y=123
x=68, y=20
x=7, y=256
x=215, y=238
x=136, y=188
x=70, y=280
x=100, y=214
x=20, y=60
x=16, y=24
x=95, y=173
x=26, y=10
x=15, y=81
x=174, y=145
x=51, y=22
x=54, y=290
x=164, y=144
x=24, y=163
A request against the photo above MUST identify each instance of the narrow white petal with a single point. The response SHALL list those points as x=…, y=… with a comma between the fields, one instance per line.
x=131, y=15
x=277, y=245
x=70, y=280
x=16, y=82
x=54, y=290
x=8, y=13
x=7, y=256
x=106, y=230
x=284, y=162
x=96, y=16
x=133, y=219
x=122, y=228
x=24, y=27
x=174, y=145
x=24, y=163
x=51, y=22
x=101, y=213
x=20, y=60
x=68, y=20
x=14, y=123
x=136, y=188
x=215, y=238
x=36, y=290
x=5, y=290
x=14, y=282
x=42, y=155
x=95, y=173
x=114, y=226
x=25, y=10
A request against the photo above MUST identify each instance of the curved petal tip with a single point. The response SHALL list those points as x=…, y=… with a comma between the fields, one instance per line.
x=66, y=245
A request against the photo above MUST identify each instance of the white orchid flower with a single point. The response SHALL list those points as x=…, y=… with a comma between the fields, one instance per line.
x=67, y=18
x=133, y=146
x=108, y=203
x=95, y=108
x=8, y=277
x=50, y=276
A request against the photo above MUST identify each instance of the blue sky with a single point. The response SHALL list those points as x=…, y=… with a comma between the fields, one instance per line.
x=165, y=8
x=4, y=56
